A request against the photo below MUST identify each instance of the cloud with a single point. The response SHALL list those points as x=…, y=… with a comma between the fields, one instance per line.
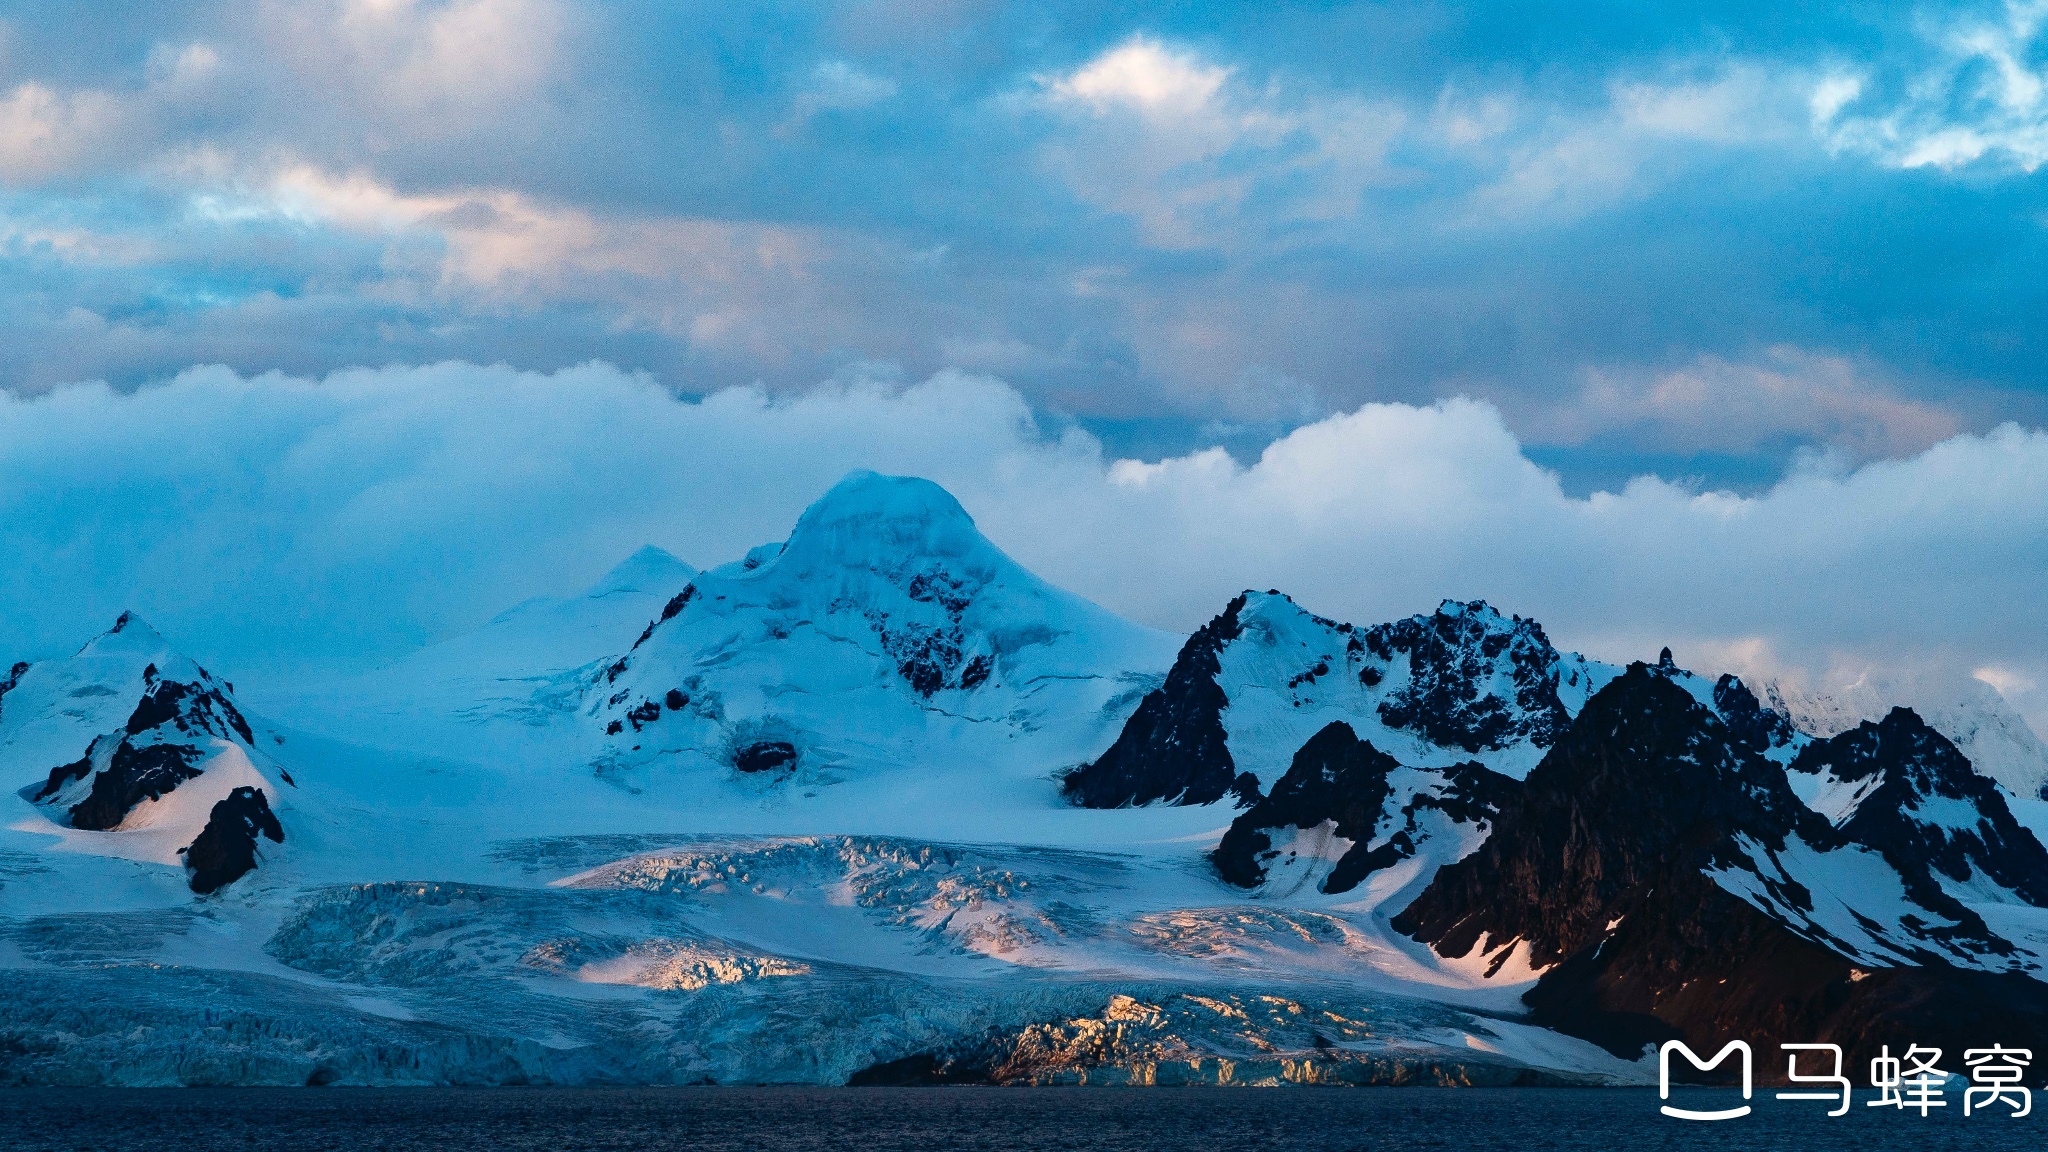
x=1723, y=406
x=1205, y=218
x=1981, y=99
x=44, y=132
x=424, y=68
x=271, y=518
x=836, y=85
x=1195, y=155
x=1546, y=162
x=1144, y=74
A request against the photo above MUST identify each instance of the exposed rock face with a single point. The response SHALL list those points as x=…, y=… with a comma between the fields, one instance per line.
x=169, y=763
x=765, y=756
x=1669, y=883
x=1254, y=684
x=182, y=708
x=225, y=850
x=1336, y=777
x=1917, y=801
x=13, y=678
x=1454, y=695
x=1173, y=748
x=132, y=776
x=1644, y=783
x=1980, y=722
x=1750, y=724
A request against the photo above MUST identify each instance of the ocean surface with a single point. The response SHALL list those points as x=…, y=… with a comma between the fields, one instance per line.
x=934, y=1119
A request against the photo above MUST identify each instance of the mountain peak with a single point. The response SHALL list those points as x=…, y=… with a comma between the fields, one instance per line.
x=130, y=633
x=871, y=517
x=650, y=569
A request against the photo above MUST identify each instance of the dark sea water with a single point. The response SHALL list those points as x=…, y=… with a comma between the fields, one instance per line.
x=931, y=1119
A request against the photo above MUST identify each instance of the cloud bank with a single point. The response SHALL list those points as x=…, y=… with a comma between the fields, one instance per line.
x=267, y=520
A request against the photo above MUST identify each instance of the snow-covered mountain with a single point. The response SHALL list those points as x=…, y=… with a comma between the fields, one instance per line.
x=1991, y=734
x=887, y=634
x=130, y=750
x=877, y=805
x=508, y=690
x=1463, y=683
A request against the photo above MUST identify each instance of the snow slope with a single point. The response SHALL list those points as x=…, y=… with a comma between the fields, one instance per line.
x=508, y=690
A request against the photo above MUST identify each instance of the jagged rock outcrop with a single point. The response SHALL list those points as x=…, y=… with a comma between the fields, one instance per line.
x=156, y=749
x=1173, y=748
x=225, y=850
x=1667, y=882
x=1369, y=809
x=1461, y=684
x=146, y=745
x=1904, y=789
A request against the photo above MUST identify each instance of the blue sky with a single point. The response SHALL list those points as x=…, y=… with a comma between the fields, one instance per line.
x=1786, y=263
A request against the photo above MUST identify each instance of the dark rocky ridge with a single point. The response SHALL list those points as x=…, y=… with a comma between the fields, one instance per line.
x=153, y=754
x=225, y=850
x=133, y=776
x=13, y=679
x=1597, y=865
x=1335, y=776
x=1920, y=767
x=1641, y=783
x=1338, y=777
x=1173, y=748
x=189, y=708
x=1451, y=656
x=1750, y=724
x=158, y=748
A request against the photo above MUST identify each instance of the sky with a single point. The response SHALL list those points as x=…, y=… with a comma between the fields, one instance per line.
x=331, y=327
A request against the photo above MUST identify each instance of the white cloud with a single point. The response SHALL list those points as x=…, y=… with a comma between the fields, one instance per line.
x=1181, y=145
x=1551, y=162
x=1143, y=73
x=44, y=132
x=735, y=285
x=275, y=516
x=1981, y=99
x=421, y=68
